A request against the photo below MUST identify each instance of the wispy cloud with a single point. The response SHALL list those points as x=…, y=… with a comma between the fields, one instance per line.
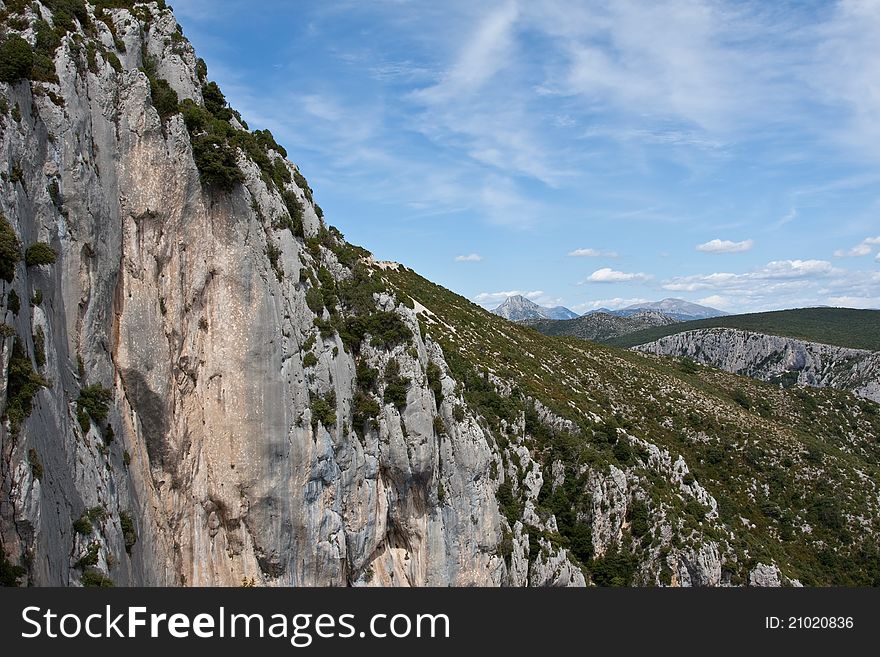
x=612, y=304
x=471, y=257
x=782, y=284
x=725, y=246
x=592, y=253
x=608, y=275
x=863, y=248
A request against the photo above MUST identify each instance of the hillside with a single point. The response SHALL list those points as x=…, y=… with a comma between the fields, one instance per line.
x=599, y=327
x=664, y=467
x=204, y=384
x=844, y=327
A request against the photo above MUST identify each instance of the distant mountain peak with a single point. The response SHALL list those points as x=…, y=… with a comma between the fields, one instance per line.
x=518, y=308
x=675, y=308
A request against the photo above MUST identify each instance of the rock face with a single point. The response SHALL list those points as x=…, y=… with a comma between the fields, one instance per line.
x=163, y=294
x=777, y=359
x=600, y=326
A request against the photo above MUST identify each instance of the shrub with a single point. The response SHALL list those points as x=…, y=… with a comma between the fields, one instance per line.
x=688, y=479
x=23, y=385
x=622, y=452
x=458, y=413
x=92, y=577
x=434, y=374
x=39, y=347
x=315, y=300
x=37, y=297
x=310, y=360
x=509, y=506
x=216, y=162
x=740, y=397
x=10, y=250
x=38, y=254
x=366, y=375
x=273, y=253
x=365, y=410
x=129, y=534
x=83, y=525
x=615, y=568
x=396, y=386
x=301, y=182
x=16, y=59
x=13, y=303
x=164, y=97
x=9, y=573
x=92, y=403
x=90, y=558
x=35, y=463
x=324, y=410
x=295, y=210
x=638, y=518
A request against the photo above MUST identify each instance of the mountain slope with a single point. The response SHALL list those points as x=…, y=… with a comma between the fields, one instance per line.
x=676, y=475
x=599, y=326
x=677, y=309
x=517, y=308
x=204, y=384
x=844, y=327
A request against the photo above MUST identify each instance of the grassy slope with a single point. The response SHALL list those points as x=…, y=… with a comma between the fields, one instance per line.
x=792, y=459
x=845, y=327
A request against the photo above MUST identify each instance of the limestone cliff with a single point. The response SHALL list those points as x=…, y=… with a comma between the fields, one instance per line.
x=188, y=303
x=777, y=359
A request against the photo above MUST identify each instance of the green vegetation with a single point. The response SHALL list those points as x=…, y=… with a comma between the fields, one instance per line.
x=310, y=360
x=129, y=533
x=35, y=463
x=94, y=578
x=83, y=524
x=23, y=385
x=692, y=411
x=16, y=59
x=13, y=303
x=396, y=386
x=10, y=573
x=365, y=410
x=434, y=374
x=93, y=402
x=324, y=410
x=39, y=338
x=10, y=250
x=38, y=254
x=857, y=329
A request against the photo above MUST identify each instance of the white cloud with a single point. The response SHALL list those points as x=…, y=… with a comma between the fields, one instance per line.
x=592, y=253
x=497, y=297
x=608, y=275
x=778, y=270
x=855, y=302
x=611, y=304
x=716, y=301
x=471, y=257
x=782, y=284
x=725, y=246
x=863, y=248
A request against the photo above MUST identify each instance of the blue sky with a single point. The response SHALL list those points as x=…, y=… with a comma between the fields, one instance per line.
x=581, y=154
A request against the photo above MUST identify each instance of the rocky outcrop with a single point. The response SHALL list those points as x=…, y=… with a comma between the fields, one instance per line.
x=777, y=359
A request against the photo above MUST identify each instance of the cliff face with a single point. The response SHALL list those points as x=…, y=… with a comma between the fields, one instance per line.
x=163, y=294
x=777, y=359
